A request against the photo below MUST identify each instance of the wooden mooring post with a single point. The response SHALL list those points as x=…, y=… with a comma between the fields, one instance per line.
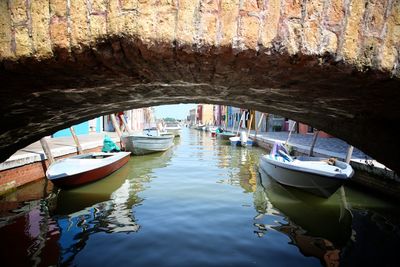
x=115, y=125
x=249, y=125
x=258, y=125
x=76, y=140
x=290, y=134
x=122, y=118
x=314, y=140
x=47, y=150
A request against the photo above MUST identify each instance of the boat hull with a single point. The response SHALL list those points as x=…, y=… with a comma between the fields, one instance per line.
x=235, y=140
x=81, y=178
x=248, y=143
x=313, y=183
x=141, y=145
x=225, y=135
x=175, y=132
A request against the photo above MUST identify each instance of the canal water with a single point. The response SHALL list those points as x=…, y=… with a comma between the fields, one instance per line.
x=202, y=203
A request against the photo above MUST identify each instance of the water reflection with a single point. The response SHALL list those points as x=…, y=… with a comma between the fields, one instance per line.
x=318, y=227
x=115, y=198
x=192, y=206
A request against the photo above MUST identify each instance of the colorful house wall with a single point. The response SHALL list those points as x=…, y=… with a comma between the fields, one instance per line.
x=208, y=114
x=86, y=127
x=306, y=129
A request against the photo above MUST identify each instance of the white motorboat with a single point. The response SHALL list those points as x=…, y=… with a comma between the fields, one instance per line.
x=320, y=176
x=242, y=140
x=235, y=140
x=140, y=144
x=173, y=128
x=245, y=141
x=85, y=168
x=200, y=127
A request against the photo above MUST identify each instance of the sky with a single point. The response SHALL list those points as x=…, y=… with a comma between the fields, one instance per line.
x=179, y=111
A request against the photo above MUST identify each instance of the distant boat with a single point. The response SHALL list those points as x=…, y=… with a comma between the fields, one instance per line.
x=200, y=127
x=235, y=140
x=242, y=140
x=245, y=141
x=225, y=134
x=140, y=144
x=320, y=176
x=213, y=130
x=173, y=128
x=86, y=168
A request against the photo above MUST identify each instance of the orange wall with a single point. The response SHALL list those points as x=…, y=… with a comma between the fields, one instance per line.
x=303, y=130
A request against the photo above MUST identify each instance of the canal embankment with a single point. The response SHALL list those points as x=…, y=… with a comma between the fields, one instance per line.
x=30, y=163
x=369, y=173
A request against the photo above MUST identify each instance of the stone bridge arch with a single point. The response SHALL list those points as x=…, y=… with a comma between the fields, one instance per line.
x=333, y=64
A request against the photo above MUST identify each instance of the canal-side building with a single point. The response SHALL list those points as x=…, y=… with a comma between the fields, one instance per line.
x=217, y=115
x=307, y=129
x=137, y=120
x=208, y=114
x=87, y=127
x=263, y=123
x=192, y=117
x=205, y=114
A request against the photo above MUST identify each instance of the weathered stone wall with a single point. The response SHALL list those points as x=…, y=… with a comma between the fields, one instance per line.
x=362, y=33
x=329, y=63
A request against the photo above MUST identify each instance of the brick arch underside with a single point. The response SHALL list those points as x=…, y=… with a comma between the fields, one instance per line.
x=38, y=98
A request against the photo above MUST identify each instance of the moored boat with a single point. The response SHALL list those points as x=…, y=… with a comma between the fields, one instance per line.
x=241, y=140
x=173, y=128
x=86, y=168
x=225, y=134
x=318, y=217
x=140, y=144
x=245, y=141
x=320, y=176
x=200, y=127
x=235, y=140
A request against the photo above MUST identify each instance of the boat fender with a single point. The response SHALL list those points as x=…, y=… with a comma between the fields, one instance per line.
x=330, y=161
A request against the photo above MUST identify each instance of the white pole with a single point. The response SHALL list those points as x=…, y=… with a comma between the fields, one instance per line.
x=349, y=154
x=259, y=124
x=76, y=140
x=241, y=119
x=290, y=133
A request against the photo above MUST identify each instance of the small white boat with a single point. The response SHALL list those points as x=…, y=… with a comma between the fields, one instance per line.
x=140, y=144
x=200, y=127
x=213, y=130
x=173, y=128
x=320, y=176
x=243, y=140
x=235, y=140
x=86, y=168
x=225, y=134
